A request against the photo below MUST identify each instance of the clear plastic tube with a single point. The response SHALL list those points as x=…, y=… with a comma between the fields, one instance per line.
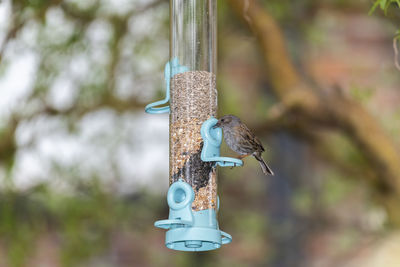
x=193, y=96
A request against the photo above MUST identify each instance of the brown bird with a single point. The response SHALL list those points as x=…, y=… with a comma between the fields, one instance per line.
x=240, y=139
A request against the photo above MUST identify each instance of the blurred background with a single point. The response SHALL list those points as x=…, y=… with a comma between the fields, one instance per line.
x=84, y=171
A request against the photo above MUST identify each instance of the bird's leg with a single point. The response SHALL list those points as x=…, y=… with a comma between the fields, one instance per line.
x=243, y=156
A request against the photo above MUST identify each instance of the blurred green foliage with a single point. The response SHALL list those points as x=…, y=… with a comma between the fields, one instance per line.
x=384, y=5
x=82, y=222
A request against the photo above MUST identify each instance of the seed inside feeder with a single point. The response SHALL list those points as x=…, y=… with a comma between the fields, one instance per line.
x=193, y=101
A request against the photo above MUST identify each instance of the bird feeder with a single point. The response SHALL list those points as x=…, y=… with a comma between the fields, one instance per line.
x=190, y=77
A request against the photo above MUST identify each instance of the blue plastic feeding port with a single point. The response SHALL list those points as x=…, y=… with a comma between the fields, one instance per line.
x=190, y=230
x=171, y=69
x=212, y=142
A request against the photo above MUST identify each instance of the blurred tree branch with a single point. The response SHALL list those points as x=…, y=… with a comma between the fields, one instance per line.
x=89, y=15
x=15, y=25
x=306, y=108
x=19, y=18
x=7, y=144
x=108, y=99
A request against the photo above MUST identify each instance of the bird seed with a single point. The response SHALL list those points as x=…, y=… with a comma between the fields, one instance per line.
x=193, y=101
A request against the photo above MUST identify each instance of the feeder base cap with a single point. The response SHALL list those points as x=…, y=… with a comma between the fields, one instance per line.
x=196, y=239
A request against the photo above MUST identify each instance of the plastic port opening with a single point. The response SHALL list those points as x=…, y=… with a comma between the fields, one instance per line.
x=179, y=195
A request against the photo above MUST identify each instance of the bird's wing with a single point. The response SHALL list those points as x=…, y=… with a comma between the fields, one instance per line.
x=253, y=142
x=259, y=145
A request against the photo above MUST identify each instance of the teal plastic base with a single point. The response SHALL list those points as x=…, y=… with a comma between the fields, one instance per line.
x=202, y=237
x=188, y=230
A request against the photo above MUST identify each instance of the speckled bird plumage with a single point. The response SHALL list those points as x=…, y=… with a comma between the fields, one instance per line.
x=242, y=140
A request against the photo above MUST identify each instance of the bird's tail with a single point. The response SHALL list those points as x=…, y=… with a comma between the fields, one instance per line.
x=266, y=169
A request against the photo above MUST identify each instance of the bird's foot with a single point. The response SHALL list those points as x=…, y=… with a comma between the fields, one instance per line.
x=243, y=156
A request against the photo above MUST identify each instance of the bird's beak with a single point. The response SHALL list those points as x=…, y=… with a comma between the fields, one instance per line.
x=217, y=125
